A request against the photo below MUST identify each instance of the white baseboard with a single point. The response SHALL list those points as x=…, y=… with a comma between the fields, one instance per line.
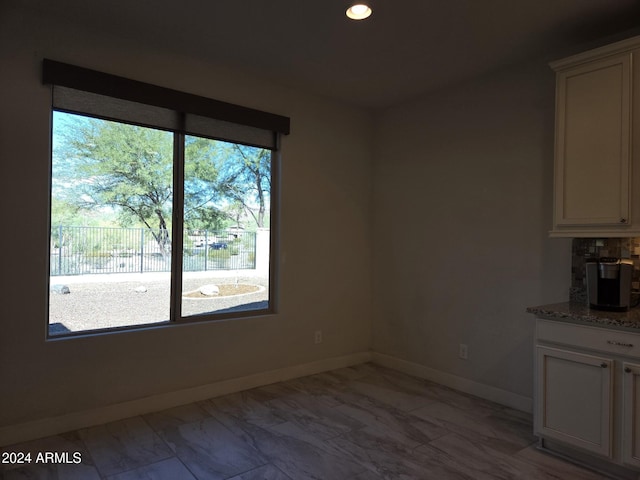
x=55, y=425
x=481, y=390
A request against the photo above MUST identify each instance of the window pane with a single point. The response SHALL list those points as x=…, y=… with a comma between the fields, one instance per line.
x=111, y=204
x=227, y=197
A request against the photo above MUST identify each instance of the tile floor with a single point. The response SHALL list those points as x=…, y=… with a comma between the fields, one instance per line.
x=357, y=423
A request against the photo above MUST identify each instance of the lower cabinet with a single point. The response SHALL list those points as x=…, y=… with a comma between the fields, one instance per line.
x=631, y=415
x=575, y=399
x=587, y=392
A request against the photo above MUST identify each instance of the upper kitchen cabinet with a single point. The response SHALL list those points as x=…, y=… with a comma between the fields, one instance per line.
x=597, y=168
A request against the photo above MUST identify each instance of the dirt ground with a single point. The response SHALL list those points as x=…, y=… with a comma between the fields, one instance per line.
x=108, y=304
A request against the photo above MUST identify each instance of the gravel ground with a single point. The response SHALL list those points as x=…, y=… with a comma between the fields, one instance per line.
x=106, y=301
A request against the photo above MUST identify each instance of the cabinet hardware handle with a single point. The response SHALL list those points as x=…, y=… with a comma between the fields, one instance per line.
x=604, y=365
x=620, y=344
x=623, y=220
x=627, y=370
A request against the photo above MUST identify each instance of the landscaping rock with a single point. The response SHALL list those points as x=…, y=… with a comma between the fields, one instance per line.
x=141, y=289
x=209, y=290
x=61, y=289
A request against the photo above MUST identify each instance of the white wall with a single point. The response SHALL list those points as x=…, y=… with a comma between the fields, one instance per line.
x=462, y=202
x=324, y=279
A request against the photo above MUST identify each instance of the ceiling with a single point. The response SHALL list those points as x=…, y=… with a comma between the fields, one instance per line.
x=407, y=47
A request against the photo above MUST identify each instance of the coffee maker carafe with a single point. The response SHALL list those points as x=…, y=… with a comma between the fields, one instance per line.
x=609, y=283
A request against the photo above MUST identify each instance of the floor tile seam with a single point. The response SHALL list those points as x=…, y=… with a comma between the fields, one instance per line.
x=313, y=402
x=407, y=443
x=326, y=441
x=472, y=434
x=433, y=440
x=592, y=471
x=416, y=390
x=232, y=433
x=534, y=444
x=438, y=437
x=517, y=455
x=350, y=457
x=193, y=474
x=241, y=419
x=425, y=405
x=285, y=416
x=455, y=463
x=169, y=454
x=177, y=456
x=430, y=404
x=345, y=454
x=362, y=424
x=380, y=403
x=280, y=470
x=399, y=417
x=85, y=448
x=316, y=398
x=414, y=462
x=246, y=437
x=500, y=457
x=158, y=431
x=325, y=415
x=113, y=475
x=326, y=448
x=461, y=411
x=123, y=447
x=273, y=410
x=463, y=468
x=538, y=466
x=269, y=463
x=95, y=464
x=157, y=434
x=444, y=460
x=150, y=425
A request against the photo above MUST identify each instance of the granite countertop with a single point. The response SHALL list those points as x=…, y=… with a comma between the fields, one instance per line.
x=575, y=312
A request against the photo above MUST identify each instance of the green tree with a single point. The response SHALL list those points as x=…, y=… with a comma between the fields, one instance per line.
x=126, y=171
x=247, y=181
x=202, y=194
x=64, y=213
x=123, y=167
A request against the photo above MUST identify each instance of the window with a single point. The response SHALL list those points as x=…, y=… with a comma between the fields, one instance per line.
x=163, y=205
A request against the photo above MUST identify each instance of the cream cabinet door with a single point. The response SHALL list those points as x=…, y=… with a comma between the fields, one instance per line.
x=631, y=414
x=593, y=134
x=574, y=399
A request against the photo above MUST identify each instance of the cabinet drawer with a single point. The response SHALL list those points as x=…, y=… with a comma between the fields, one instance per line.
x=593, y=338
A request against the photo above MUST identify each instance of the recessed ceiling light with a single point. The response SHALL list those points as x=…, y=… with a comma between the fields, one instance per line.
x=359, y=11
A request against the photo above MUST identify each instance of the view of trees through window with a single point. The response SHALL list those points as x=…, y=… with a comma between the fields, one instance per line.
x=114, y=230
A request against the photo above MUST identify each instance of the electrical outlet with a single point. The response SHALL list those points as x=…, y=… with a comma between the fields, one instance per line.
x=463, y=351
x=317, y=336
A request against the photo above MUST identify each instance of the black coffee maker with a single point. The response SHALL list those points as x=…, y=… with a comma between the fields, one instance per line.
x=609, y=283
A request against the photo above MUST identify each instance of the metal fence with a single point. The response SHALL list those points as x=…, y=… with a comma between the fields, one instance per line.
x=86, y=250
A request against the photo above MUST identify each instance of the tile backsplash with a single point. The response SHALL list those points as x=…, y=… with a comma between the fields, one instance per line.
x=585, y=248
